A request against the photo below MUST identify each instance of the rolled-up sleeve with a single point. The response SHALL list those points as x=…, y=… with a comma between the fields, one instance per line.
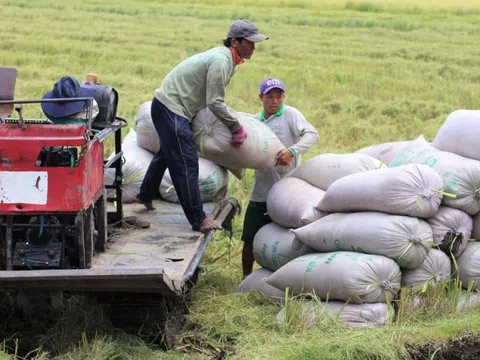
x=307, y=133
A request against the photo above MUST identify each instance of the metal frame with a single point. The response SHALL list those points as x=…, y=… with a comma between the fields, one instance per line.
x=83, y=216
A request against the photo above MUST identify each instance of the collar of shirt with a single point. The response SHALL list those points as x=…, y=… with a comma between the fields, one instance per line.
x=237, y=60
x=278, y=113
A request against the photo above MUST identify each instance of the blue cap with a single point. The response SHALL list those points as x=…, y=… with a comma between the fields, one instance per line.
x=270, y=84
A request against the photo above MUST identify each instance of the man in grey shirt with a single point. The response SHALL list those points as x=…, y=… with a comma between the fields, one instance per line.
x=297, y=135
x=194, y=84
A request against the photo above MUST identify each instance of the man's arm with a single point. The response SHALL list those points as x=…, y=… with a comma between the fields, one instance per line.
x=217, y=76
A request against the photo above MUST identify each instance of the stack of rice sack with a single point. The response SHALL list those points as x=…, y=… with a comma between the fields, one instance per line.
x=455, y=156
x=139, y=149
x=410, y=224
x=288, y=260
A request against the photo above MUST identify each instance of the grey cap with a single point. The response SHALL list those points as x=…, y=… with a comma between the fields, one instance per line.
x=245, y=29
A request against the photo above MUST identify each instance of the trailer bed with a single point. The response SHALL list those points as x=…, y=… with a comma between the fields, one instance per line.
x=160, y=259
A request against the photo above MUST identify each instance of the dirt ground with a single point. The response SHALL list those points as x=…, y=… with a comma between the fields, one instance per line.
x=466, y=347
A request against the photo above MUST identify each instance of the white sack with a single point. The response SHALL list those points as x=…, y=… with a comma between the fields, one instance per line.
x=353, y=315
x=134, y=168
x=133, y=173
x=214, y=140
x=434, y=270
x=274, y=246
x=405, y=190
x=459, y=134
x=404, y=239
x=468, y=300
x=340, y=275
x=469, y=265
x=385, y=152
x=451, y=229
x=147, y=137
x=211, y=179
x=131, y=150
x=292, y=203
x=322, y=170
x=461, y=176
x=256, y=282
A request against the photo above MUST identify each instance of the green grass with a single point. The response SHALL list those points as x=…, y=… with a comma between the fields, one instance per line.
x=362, y=72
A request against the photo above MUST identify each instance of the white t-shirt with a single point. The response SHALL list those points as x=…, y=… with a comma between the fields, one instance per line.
x=295, y=132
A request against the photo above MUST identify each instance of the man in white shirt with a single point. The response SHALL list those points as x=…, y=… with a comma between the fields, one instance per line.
x=297, y=135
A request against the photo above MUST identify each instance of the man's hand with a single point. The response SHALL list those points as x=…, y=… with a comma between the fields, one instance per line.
x=239, y=137
x=284, y=157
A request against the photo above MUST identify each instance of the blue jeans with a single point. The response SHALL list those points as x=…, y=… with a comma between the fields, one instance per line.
x=178, y=153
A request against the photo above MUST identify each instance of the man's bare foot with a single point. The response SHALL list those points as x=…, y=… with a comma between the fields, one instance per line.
x=209, y=224
x=147, y=204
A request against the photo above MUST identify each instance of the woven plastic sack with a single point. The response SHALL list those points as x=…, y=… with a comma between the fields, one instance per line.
x=274, y=246
x=413, y=190
x=340, y=275
x=451, y=230
x=385, y=152
x=133, y=173
x=459, y=134
x=147, y=137
x=322, y=170
x=469, y=266
x=256, y=282
x=292, y=203
x=135, y=165
x=461, y=176
x=434, y=270
x=213, y=140
x=468, y=300
x=211, y=178
x=353, y=315
x=404, y=239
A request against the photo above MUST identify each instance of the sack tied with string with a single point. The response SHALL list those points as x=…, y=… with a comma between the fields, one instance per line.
x=340, y=275
x=322, y=170
x=461, y=176
x=459, y=134
x=385, y=152
x=413, y=190
x=213, y=140
x=292, y=202
x=257, y=282
x=352, y=315
x=436, y=269
x=275, y=246
x=451, y=230
x=404, y=239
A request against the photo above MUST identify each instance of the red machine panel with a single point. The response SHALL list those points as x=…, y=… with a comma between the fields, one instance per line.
x=28, y=188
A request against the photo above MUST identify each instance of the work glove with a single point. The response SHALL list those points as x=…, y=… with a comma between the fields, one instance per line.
x=239, y=137
x=284, y=157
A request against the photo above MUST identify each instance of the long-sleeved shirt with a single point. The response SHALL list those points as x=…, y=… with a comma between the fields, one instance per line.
x=198, y=82
x=295, y=133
